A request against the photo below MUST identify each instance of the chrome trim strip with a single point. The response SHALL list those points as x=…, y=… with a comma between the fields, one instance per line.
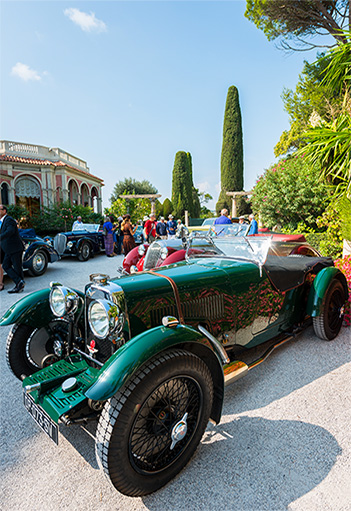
x=216, y=344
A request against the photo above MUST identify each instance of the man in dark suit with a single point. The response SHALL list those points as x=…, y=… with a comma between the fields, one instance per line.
x=12, y=246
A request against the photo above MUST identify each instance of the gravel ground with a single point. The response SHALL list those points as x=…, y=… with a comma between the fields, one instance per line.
x=283, y=443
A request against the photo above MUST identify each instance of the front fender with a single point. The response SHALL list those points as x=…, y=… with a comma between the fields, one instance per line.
x=130, y=357
x=319, y=288
x=33, y=310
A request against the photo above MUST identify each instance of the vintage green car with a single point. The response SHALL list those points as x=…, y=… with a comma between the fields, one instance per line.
x=148, y=355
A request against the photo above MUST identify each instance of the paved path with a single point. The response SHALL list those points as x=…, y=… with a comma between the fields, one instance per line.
x=284, y=441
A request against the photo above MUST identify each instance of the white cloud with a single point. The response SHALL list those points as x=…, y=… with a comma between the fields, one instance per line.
x=87, y=22
x=25, y=73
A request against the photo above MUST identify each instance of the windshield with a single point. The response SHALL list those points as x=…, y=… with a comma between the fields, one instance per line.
x=208, y=221
x=253, y=250
x=229, y=229
x=86, y=227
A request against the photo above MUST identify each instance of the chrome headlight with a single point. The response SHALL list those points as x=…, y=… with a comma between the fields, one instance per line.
x=103, y=317
x=164, y=253
x=63, y=300
x=70, y=244
x=141, y=250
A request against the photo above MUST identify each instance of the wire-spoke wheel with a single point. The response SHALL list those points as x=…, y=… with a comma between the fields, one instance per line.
x=149, y=430
x=328, y=324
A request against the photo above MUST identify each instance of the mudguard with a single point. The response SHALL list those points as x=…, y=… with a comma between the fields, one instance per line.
x=34, y=247
x=33, y=310
x=130, y=357
x=320, y=285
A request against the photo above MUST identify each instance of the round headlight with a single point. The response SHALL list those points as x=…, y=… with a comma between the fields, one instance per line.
x=70, y=244
x=103, y=317
x=164, y=253
x=57, y=302
x=141, y=250
x=63, y=300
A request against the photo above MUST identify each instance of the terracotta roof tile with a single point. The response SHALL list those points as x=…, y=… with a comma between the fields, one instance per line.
x=35, y=161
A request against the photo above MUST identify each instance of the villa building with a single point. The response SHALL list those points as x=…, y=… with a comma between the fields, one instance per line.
x=33, y=176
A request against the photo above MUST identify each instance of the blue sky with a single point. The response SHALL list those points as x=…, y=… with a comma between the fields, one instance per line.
x=125, y=85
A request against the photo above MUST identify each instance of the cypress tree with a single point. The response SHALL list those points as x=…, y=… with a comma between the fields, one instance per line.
x=167, y=208
x=232, y=159
x=196, y=208
x=181, y=185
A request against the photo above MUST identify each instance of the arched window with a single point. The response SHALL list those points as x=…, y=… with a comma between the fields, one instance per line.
x=73, y=192
x=4, y=193
x=59, y=194
x=28, y=193
x=94, y=199
x=84, y=194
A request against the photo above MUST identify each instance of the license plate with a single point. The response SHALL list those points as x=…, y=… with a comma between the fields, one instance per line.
x=41, y=418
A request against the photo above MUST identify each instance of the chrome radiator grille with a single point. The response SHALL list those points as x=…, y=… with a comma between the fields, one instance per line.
x=60, y=242
x=152, y=256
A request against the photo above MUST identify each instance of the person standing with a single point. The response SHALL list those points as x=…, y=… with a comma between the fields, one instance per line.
x=182, y=230
x=127, y=231
x=108, y=234
x=253, y=225
x=161, y=229
x=171, y=227
x=150, y=229
x=12, y=247
x=223, y=218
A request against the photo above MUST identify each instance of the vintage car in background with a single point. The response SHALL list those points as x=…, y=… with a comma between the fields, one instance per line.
x=37, y=253
x=83, y=241
x=164, y=252
x=148, y=355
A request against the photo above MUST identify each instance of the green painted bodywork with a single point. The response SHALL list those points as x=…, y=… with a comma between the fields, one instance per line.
x=33, y=310
x=130, y=357
x=317, y=292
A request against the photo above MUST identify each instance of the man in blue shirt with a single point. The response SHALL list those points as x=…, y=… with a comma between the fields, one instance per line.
x=223, y=218
x=171, y=227
x=253, y=225
x=161, y=229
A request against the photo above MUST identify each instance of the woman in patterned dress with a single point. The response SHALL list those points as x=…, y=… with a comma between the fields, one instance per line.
x=127, y=231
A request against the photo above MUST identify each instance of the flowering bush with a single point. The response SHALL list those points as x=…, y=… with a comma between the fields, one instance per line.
x=344, y=264
x=290, y=192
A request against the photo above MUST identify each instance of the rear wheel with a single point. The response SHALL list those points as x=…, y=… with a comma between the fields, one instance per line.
x=150, y=429
x=84, y=251
x=328, y=324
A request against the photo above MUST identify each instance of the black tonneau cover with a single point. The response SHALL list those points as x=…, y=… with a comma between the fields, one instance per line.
x=289, y=272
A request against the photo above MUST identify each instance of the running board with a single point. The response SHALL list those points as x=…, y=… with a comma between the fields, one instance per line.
x=237, y=369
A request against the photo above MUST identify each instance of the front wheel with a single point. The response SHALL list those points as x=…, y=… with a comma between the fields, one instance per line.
x=328, y=324
x=28, y=348
x=84, y=251
x=38, y=264
x=150, y=429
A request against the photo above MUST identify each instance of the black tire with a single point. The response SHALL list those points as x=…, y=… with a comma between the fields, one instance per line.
x=84, y=251
x=328, y=324
x=26, y=347
x=134, y=433
x=38, y=264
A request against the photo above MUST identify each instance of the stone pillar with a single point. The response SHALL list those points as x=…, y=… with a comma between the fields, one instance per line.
x=234, y=214
x=153, y=207
x=186, y=214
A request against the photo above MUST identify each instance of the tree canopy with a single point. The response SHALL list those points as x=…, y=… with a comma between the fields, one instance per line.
x=329, y=141
x=294, y=22
x=182, y=185
x=311, y=100
x=131, y=186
